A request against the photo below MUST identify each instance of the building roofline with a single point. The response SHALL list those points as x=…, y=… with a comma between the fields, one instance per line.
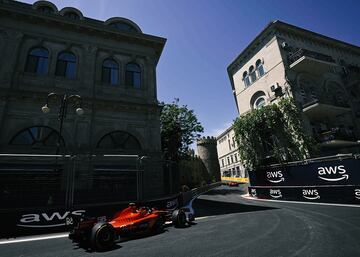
x=89, y=24
x=277, y=24
x=225, y=132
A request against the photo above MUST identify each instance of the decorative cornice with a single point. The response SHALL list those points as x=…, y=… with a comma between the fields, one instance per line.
x=87, y=25
x=270, y=30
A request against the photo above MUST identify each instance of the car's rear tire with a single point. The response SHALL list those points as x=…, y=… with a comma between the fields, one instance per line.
x=159, y=225
x=179, y=218
x=103, y=236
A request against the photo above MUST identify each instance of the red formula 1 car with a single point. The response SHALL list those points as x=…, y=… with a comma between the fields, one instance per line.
x=129, y=222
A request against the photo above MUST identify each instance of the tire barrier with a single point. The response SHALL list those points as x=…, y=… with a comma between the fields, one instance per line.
x=334, y=179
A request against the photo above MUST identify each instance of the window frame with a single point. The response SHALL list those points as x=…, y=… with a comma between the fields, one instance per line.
x=260, y=68
x=111, y=71
x=115, y=142
x=131, y=74
x=30, y=133
x=63, y=65
x=38, y=61
x=256, y=106
x=252, y=74
x=246, y=79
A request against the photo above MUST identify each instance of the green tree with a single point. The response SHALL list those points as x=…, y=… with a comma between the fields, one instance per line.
x=273, y=131
x=179, y=129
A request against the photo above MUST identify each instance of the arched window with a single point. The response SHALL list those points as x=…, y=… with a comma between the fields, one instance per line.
x=110, y=72
x=38, y=136
x=133, y=75
x=119, y=140
x=260, y=68
x=37, y=61
x=72, y=15
x=252, y=74
x=246, y=79
x=66, y=65
x=46, y=9
x=122, y=26
x=259, y=102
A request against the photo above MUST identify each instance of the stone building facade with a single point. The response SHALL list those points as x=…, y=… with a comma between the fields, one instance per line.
x=229, y=160
x=206, y=149
x=322, y=74
x=110, y=64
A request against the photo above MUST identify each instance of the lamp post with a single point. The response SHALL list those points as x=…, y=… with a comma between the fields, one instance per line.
x=63, y=110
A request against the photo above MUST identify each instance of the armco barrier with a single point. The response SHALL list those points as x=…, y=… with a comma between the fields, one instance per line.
x=46, y=220
x=188, y=196
x=49, y=220
x=333, y=179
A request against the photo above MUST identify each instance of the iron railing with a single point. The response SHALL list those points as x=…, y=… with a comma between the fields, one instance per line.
x=293, y=57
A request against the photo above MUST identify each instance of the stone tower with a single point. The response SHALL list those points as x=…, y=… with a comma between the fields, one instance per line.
x=207, y=151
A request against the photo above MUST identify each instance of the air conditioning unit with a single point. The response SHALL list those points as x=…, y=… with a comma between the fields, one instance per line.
x=278, y=91
x=284, y=45
x=275, y=87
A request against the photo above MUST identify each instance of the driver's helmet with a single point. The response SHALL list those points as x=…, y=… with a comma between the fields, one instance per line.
x=133, y=207
x=143, y=211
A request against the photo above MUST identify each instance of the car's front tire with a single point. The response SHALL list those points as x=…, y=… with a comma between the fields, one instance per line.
x=179, y=218
x=103, y=236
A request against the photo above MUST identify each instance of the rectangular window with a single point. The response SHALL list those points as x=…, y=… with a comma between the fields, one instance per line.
x=232, y=160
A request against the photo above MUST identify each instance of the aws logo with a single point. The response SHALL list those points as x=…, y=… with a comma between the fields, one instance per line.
x=357, y=194
x=275, y=193
x=253, y=192
x=337, y=173
x=172, y=204
x=311, y=194
x=275, y=176
x=43, y=220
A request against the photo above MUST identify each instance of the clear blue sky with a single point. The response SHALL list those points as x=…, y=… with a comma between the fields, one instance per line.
x=204, y=36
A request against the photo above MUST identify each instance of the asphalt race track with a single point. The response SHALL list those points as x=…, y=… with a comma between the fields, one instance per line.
x=229, y=225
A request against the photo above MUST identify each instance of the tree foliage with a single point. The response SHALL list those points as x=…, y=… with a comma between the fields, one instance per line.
x=272, y=131
x=179, y=129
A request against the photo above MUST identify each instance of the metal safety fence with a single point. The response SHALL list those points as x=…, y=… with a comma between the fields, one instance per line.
x=52, y=181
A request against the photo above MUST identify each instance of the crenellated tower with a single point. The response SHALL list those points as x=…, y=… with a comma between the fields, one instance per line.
x=207, y=152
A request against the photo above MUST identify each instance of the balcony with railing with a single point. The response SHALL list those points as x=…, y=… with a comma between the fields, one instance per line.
x=317, y=109
x=337, y=137
x=303, y=60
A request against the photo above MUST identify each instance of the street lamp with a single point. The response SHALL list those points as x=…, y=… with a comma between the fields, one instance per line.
x=63, y=109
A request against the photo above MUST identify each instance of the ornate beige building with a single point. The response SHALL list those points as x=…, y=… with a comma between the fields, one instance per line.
x=111, y=64
x=322, y=74
x=230, y=165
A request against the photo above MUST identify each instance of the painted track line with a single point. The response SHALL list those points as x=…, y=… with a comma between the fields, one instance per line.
x=33, y=238
x=247, y=197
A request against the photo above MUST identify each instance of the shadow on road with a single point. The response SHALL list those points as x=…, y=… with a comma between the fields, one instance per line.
x=212, y=208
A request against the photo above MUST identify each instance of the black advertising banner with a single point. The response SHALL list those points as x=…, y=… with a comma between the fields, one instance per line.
x=339, y=172
x=324, y=194
x=46, y=220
